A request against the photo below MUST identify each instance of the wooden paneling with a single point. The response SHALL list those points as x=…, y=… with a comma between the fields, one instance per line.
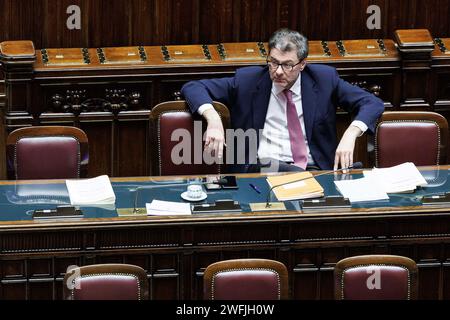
x=109, y=21
x=54, y=22
x=101, y=144
x=35, y=256
x=154, y=22
x=142, y=13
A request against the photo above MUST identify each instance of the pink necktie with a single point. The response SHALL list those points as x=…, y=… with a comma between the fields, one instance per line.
x=298, y=144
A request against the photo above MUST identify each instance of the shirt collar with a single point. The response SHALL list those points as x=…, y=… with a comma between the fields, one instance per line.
x=296, y=89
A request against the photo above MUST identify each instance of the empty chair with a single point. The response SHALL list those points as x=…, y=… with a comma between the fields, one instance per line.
x=375, y=277
x=411, y=136
x=245, y=279
x=106, y=282
x=47, y=152
x=174, y=126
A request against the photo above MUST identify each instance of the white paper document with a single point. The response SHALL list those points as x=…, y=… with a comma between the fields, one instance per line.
x=92, y=191
x=168, y=208
x=364, y=189
x=404, y=177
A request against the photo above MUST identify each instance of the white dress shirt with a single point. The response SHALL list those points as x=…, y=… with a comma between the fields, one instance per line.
x=274, y=141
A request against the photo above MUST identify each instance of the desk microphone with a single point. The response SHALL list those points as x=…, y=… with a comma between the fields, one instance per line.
x=220, y=181
x=356, y=165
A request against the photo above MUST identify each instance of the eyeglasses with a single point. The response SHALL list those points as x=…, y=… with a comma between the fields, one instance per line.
x=286, y=67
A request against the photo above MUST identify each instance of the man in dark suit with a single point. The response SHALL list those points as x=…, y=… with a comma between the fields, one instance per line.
x=291, y=107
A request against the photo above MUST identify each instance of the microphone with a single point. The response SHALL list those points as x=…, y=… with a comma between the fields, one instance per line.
x=355, y=165
x=220, y=181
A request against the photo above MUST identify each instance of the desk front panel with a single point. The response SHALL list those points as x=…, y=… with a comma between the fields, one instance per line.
x=33, y=262
x=175, y=250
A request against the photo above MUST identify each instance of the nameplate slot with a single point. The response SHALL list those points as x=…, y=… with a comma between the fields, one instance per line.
x=439, y=199
x=60, y=212
x=326, y=203
x=220, y=206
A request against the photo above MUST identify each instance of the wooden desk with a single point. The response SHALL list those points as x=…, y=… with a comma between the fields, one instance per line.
x=175, y=250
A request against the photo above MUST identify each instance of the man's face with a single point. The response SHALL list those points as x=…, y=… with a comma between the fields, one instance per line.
x=284, y=67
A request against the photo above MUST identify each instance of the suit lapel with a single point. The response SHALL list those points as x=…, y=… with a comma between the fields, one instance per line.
x=309, y=98
x=260, y=101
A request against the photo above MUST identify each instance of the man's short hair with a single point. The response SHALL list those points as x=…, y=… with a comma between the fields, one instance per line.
x=289, y=40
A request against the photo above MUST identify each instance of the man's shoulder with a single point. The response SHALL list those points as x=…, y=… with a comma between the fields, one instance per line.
x=321, y=74
x=320, y=69
x=251, y=71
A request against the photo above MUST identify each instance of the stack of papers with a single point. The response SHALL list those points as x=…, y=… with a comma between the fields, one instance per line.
x=377, y=183
x=168, y=208
x=404, y=177
x=91, y=191
x=290, y=188
x=364, y=189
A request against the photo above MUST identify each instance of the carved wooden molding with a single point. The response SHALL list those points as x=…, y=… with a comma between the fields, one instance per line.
x=77, y=101
x=440, y=44
x=373, y=88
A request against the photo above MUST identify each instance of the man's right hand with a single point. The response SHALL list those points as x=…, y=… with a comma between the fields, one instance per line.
x=214, y=136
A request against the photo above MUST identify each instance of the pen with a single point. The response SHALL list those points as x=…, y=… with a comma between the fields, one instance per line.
x=254, y=187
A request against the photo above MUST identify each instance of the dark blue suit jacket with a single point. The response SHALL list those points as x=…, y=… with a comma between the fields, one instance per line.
x=247, y=96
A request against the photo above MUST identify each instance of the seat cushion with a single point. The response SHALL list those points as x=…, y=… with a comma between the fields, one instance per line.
x=376, y=283
x=407, y=141
x=47, y=158
x=106, y=287
x=246, y=285
x=181, y=145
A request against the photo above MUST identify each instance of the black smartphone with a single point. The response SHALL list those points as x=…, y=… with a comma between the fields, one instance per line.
x=231, y=182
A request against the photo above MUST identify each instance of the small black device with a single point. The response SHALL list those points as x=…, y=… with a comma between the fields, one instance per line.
x=58, y=213
x=328, y=203
x=436, y=199
x=220, y=206
x=231, y=182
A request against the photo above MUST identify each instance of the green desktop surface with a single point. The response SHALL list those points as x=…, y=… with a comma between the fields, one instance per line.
x=18, y=201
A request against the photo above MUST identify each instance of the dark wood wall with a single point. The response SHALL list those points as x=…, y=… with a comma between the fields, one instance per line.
x=155, y=22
